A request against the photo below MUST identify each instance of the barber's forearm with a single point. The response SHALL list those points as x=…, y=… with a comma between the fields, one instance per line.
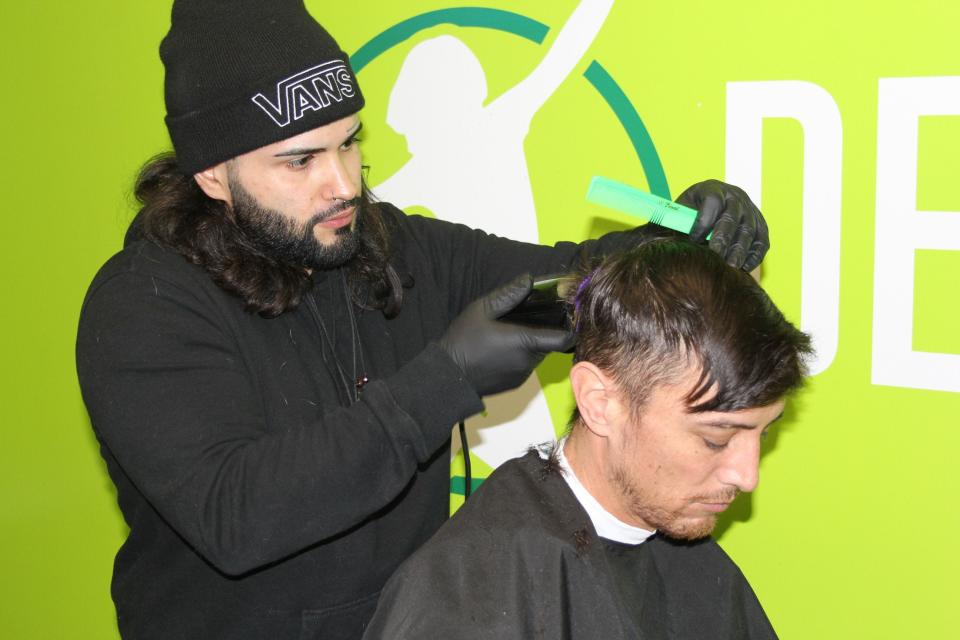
x=244, y=499
x=176, y=406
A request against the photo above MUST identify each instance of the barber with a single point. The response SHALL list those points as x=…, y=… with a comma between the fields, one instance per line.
x=273, y=362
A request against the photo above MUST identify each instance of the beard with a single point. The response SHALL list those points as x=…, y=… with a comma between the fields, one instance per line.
x=647, y=504
x=282, y=238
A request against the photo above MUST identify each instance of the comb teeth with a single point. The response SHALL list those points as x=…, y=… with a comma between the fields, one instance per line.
x=657, y=216
x=651, y=208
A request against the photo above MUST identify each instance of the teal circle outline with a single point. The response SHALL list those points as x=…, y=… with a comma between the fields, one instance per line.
x=529, y=29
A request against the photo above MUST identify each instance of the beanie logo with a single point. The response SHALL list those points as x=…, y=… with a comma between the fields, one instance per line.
x=310, y=90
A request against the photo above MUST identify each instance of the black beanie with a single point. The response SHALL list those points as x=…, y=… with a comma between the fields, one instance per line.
x=242, y=74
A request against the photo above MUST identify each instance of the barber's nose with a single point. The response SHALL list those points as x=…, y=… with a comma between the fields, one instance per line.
x=741, y=467
x=338, y=183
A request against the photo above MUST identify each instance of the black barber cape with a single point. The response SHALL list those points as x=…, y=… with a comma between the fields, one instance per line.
x=522, y=560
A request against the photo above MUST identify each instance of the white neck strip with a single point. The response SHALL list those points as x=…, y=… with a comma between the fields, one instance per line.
x=607, y=525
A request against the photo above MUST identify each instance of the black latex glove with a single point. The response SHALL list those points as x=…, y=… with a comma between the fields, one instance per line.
x=497, y=356
x=740, y=233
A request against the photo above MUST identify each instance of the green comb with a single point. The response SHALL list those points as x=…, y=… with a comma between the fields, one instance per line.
x=659, y=211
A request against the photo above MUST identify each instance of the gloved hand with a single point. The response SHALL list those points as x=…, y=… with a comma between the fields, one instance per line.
x=498, y=356
x=740, y=233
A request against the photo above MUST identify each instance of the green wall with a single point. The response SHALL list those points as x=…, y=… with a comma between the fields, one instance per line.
x=850, y=534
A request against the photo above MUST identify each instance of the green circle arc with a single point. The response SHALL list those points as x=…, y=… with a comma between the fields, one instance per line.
x=535, y=31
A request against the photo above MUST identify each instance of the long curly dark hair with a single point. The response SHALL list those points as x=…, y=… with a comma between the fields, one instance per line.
x=178, y=215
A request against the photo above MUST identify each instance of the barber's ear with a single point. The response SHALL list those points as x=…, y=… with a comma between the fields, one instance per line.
x=214, y=182
x=596, y=398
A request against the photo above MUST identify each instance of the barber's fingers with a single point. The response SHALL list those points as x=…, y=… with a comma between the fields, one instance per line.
x=503, y=299
x=724, y=233
x=759, y=246
x=735, y=253
x=545, y=340
x=708, y=202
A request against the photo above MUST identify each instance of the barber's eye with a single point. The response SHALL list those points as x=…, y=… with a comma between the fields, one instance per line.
x=299, y=163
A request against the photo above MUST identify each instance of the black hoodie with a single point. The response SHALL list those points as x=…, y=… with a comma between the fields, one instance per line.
x=261, y=502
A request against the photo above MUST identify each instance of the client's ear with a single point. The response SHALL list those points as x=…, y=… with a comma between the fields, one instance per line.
x=596, y=397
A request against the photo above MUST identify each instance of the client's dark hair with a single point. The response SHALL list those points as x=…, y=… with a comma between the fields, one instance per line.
x=646, y=315
x=178, y=215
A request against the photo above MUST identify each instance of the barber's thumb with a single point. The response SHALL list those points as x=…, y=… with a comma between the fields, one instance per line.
x=499, y=301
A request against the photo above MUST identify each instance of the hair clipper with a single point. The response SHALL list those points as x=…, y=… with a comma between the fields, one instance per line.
x=544, y=306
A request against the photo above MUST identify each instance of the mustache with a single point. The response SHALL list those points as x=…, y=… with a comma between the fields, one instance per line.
x=717, y=498
x=306, y=232
x=340, y=207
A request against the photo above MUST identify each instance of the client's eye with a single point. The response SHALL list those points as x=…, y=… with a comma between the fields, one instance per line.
x=714, y=446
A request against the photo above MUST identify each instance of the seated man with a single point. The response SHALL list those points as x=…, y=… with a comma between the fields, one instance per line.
x=682, y=364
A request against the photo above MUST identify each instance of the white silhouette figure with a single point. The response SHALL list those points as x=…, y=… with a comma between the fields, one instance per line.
x=468, y=165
